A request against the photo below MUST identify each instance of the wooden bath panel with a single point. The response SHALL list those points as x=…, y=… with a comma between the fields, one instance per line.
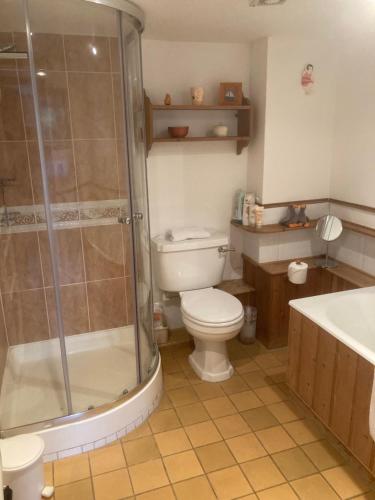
x=334, y=382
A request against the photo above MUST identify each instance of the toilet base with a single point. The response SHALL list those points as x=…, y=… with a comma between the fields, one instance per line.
x=210, y=360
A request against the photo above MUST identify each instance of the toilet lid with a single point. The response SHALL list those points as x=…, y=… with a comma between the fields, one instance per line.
x=211, y=306
x=19, y=452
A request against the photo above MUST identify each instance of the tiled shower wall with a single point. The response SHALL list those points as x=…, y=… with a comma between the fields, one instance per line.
x=81, y=113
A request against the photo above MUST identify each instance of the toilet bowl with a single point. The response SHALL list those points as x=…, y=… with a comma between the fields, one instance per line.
x=212, y=317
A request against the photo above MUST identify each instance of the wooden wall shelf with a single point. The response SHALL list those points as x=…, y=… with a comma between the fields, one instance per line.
x=243, y=123
x=272, y=228
x=279, y=228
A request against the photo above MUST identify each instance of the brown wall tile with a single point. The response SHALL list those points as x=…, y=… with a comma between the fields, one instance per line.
x=20, y=263
x=119, y=106
x=127, y=240
x=80, y=54
x=91, y=105
x=115, y=57
x=74, y=309
x=122, y=169
x=6, y=38
x=129, y=300
x=3, y=346
x=53, y=104
x=96, y=169
x=25, y=316
x=48, y=51
x=11, y=122
x=103, y=252
x=107, y=306
x=60, y=170
x=70, y=256
x=14, y=163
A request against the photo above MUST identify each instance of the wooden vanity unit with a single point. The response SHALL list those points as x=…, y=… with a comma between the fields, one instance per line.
x=273, y=291
x=334, y=383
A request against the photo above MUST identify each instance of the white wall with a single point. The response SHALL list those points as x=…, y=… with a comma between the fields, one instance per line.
x=193, y=183
x=299, y=127
x=258, y=99
x=353, y=168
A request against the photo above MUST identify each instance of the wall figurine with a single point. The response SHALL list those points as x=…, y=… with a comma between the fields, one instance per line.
x=307, y=79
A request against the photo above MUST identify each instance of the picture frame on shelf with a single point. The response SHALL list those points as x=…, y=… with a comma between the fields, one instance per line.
x=230, y=93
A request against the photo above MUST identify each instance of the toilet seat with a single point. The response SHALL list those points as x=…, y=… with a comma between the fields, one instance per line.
x=210, y=307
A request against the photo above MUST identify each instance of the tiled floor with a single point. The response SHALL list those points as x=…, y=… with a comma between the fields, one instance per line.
x=244, y=438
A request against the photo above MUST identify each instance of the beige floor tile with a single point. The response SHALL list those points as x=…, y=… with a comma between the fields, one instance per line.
x=366, y=496
x=115, y=484
x=287, y=411
x=259, y=418
x=231, y=426
x=165, y=493
x=170, y=442
x=234, y=384
x=71, y=469
x=262, y=473
x=192, y=376
x=277, y=374
x=346, y=482
x=229, y=483
x=183, y=396
x=203, y=433
x=246, y=400
x=148, y=476
x=170, y=364
x=282, y=492
x=175, y=380
x=323, y=454
x=219, y=407
x=80, y=490
x=314, y=488
x=106, y=459
x=257, y=379
x=48, y=473
x=294, y=464
x=275, y=439
x=192, y=414
x=270, y=394
x=140, y=450
x=246, y=447
x=267, y=360
x=208, y=390
x=197, y=488
x=303, y=431
x=141, y=431
x=164, y=420
x=215, y=456
x=182, y=466
x=244, y=365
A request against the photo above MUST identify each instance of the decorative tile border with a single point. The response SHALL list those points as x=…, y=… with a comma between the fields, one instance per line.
x=65, y=215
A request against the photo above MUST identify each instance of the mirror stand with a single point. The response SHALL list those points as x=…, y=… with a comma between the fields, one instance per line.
x=326, y=262
x=328, y=228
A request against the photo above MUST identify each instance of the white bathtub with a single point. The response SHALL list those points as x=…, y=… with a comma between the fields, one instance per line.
x=349, y=316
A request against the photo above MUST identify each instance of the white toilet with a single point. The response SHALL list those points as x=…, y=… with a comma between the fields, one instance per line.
x=192, y=267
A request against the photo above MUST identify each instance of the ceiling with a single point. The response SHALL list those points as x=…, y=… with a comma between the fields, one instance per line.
x=235, y=21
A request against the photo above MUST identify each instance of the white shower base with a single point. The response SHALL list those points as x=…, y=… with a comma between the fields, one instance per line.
x=101, y=366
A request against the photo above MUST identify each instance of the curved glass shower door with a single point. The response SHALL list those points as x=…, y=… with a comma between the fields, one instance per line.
x=86, y=165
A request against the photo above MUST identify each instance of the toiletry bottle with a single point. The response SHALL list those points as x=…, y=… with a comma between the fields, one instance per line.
x=259, y=216
x=248, y=202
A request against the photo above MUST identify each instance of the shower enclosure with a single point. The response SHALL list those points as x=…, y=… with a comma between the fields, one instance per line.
x=75, y=278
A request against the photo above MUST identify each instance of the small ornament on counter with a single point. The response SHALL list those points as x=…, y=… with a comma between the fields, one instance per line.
x=296, y=219
x=167, y=99
x=197, y=94
x=307, y=79
x=220, y=130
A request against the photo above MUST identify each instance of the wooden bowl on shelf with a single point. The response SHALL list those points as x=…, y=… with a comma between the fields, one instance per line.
x=178, y=132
